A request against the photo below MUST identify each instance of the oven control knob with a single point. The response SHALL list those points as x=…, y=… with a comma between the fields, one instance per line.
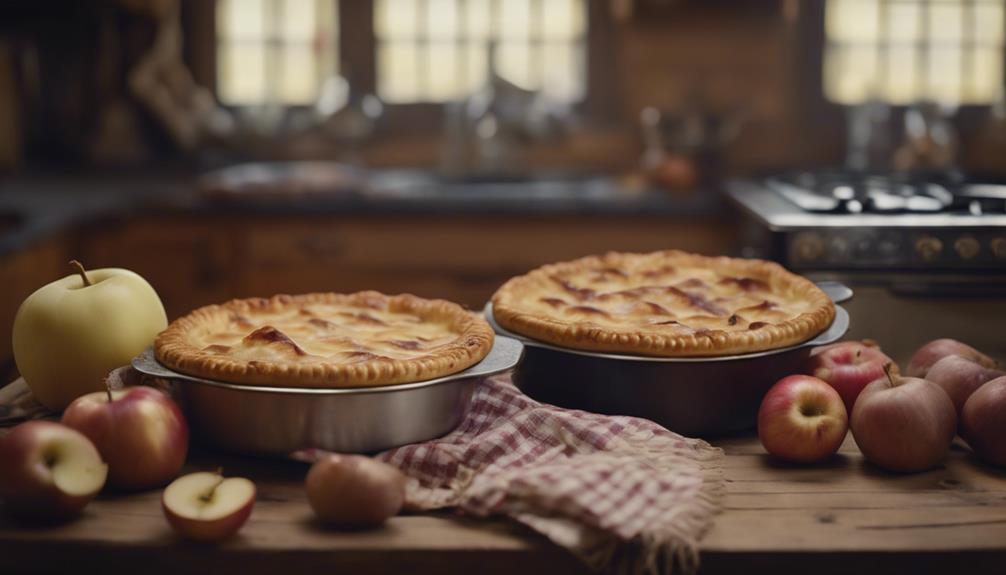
x=808, y=246
x=967, y=247
x=839, y=248
x=928, y=247
x=999, y=247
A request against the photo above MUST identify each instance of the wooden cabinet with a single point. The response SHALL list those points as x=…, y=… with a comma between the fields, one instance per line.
x=197, y=261
x=21, y=273
x=458, y=258
x=190, y=261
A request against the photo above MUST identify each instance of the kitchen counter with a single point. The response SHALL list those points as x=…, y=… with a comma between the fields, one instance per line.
x=35, y=207
x=839, y=517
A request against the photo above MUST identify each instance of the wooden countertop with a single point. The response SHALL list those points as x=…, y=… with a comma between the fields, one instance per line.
x=839, y=517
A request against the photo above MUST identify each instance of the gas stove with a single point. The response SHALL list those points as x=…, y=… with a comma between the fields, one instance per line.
x=843, y=221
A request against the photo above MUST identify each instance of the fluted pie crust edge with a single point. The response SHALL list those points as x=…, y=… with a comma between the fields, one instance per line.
x=510, y=310
x=176, y=349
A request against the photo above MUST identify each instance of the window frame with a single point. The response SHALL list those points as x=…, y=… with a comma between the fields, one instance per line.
x=357, y=42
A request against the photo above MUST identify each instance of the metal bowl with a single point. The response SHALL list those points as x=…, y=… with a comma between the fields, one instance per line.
x=705, y=396
x=274, y=421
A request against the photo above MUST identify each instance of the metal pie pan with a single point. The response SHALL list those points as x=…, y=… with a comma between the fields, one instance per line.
x=704, y=396
x=273, y=421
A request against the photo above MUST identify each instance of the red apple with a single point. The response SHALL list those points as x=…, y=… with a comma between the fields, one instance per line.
x=936, y=350
x=48, y=471
x=960, y=377
x=353, y=491
x=802, y=418
x=848, y=366
x=983, y=421
x=139, y=431
x=904, y=423
x=205, y=506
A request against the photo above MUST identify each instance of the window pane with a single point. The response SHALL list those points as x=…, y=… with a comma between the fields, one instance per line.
x=944, y=74
x=903, y=22
x=562, y=19
x=396, y=18
x=563, y=66
x=297, y=20
x=986, y=74
x=850, y=73
x=241, y=72
x=443, y=66
x=902, y=74
x=477, y=18
x=514, y=18
x=327, y=41
x=988, y=20
x=852, y=20
x=476, y=63
x=945, y=22
x=298, y=80
x=241, y=18
x=441, y=19
x=513, y=62
x=397, y=77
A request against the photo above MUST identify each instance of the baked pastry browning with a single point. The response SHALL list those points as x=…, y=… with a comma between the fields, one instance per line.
x=325, y=340
x=667, y=303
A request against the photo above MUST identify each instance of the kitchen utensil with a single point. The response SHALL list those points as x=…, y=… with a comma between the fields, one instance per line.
x=274, y=421
x=706, y=396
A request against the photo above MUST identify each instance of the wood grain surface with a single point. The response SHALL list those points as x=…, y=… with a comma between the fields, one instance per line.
x=838, y=517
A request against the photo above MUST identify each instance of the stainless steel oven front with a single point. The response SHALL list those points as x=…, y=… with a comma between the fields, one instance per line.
x=915, y=278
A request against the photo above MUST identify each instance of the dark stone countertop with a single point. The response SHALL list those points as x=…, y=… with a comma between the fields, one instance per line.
x=34, y=207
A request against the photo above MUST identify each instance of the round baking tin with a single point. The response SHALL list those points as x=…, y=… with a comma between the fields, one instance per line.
x=706, y=396
x=273, y=421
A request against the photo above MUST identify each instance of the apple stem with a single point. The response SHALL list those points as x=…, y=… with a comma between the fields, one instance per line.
x=108, y=390
x=888, y=371
x=206, y=497
x=80, y=270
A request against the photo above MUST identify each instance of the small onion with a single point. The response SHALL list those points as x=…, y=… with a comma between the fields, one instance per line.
x=353, y=491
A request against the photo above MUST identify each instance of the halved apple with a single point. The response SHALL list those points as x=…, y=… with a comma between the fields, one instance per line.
x=206, y=506
x=48, y=471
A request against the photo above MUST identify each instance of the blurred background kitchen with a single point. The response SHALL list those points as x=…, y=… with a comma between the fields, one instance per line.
x=232, y=148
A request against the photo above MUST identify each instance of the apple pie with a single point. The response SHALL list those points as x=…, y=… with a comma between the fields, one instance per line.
x=325, y=340
x=667, y=303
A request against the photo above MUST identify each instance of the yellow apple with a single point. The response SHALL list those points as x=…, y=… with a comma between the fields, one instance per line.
x=70, y=333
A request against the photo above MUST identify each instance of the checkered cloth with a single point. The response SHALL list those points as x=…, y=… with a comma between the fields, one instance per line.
x=622, y=493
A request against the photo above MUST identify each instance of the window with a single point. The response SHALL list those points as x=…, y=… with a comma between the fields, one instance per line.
x=275, y=51
x=949, y=51
x=439, y=50
x=408, y=51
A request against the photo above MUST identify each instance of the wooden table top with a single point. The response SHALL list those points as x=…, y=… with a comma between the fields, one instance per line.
x=837, y=517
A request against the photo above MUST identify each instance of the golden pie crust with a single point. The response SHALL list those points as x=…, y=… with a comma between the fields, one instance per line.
x=667, y=303
x=325, y=340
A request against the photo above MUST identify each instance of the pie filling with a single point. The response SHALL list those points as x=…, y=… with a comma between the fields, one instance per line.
x=323, y=340
x=665, y=303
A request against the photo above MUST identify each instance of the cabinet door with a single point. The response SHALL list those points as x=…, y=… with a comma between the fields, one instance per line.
x=21, y=273
x=463, y=259
x=190, y=263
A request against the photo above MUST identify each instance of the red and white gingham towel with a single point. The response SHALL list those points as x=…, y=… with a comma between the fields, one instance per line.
x=622, y=493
